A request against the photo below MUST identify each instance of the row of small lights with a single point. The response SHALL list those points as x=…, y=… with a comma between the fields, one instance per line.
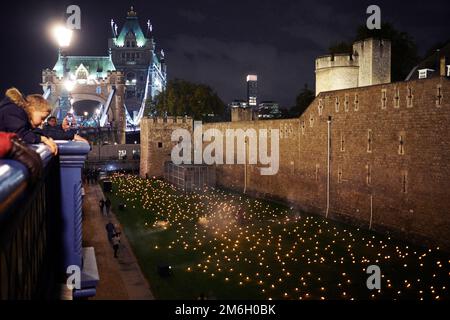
x=215, y=218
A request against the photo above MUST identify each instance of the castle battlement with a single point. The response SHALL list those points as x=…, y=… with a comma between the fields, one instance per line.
x=168, y=120
x=383, y=44
x=336, y=60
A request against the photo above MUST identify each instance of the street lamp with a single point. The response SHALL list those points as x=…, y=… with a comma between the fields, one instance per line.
x=99, y=136
x=63, y=36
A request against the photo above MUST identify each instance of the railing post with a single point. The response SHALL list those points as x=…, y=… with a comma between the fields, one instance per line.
x=72, y=156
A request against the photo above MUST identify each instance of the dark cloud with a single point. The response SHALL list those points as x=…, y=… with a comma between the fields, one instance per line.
x=192, y=16
x=213, y=42
x=230, y=61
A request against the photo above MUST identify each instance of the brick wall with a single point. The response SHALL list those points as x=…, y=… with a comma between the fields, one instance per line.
x=156, y=144
x=389, y=159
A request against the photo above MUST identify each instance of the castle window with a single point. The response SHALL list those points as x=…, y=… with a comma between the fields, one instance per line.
x=128, y=44
x=311, y=121
x=133, y=44
x=404, y=182
x=337, y=104
x=342, y=142
x=369, y=140
x=397, y=98
x=439, y=95
x=346, y=103
x=369, y=175
x=401, y=144
x=383, y=98
x=160, y=145
x=410, y=97
x=122, y=154
x=339, y=174
x=425, y=73
x=356, y=102
x=303, y=127
x=320, y=107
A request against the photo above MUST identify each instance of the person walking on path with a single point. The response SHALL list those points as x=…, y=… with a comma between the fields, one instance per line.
x=108, y=205
x=101, y=205
x=115, y=242
x=111, y=231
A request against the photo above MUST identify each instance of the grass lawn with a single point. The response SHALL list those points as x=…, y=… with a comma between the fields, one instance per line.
x=226, y=245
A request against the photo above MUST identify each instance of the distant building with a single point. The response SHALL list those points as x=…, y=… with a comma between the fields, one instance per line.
x=268, y=110
x=252, y=90
x=241, y=111
x=435, y=65
x=238, y=104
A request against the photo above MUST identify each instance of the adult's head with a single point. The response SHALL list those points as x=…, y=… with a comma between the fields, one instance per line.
x=52, y=121
x=37, y=108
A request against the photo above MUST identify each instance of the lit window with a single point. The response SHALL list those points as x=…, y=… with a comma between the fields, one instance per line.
x=425, y=73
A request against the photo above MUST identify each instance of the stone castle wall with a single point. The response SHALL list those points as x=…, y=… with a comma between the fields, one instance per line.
x=156, y=144
x=389, y=158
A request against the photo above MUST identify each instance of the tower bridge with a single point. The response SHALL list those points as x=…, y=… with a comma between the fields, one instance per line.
x=117, y=86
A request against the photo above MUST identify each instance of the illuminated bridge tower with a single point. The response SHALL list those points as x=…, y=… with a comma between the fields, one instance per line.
x=134, y=54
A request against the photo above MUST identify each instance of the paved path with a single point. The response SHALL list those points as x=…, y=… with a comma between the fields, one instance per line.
x=120, y=278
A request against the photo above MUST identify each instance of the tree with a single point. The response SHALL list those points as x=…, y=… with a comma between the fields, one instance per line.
x=302, y=102
x=186, y=98
x=437, y=46
x=404, y=55
x=341, y=47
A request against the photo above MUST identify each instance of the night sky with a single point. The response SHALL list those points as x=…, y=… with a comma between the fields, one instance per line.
x=213, y=42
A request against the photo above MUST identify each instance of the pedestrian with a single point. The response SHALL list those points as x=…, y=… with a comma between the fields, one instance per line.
x=115, y=242
x=107, y=205
x=111, y=231
x=102, y=205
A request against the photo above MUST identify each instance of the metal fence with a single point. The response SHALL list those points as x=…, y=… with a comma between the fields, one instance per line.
x=190, y=178
x=29, y=239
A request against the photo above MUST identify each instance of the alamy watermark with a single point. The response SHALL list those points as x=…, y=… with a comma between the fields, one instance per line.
x=374, y=280
x=73, y=21
x=74, y=277
x=248, y=146
x=374, y=20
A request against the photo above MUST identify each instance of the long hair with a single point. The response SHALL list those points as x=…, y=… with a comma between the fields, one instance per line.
x=32, y=102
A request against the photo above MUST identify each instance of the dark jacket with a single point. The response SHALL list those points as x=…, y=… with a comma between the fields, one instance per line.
x=15, y=119
x=58, y=133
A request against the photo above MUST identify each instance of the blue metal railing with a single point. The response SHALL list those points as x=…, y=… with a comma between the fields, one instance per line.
x=41, y=227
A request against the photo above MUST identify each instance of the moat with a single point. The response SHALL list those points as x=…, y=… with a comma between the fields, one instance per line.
x=221, y=245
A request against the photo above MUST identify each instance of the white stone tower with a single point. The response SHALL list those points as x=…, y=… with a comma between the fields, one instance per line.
x=369, y=64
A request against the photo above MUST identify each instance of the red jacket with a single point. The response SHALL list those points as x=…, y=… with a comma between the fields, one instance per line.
x=5, y=143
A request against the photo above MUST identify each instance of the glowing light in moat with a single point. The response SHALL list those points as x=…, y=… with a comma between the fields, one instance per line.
x=247, y=242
